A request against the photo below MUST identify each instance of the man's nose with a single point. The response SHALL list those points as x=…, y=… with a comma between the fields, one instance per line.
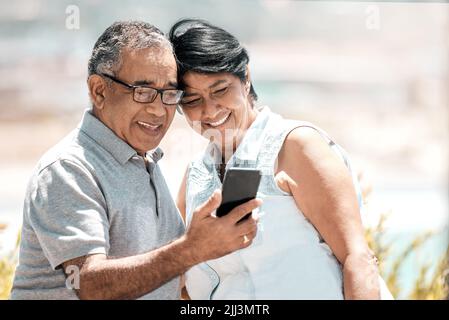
x=156, y=107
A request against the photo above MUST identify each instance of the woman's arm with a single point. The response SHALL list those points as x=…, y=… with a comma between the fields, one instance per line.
x=181, y=204
x=181, y=197
x=323, y=190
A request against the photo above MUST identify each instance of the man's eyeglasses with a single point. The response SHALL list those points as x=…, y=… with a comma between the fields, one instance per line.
x=145, y=94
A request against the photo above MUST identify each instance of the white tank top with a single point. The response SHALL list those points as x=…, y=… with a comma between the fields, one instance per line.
x=288, y=259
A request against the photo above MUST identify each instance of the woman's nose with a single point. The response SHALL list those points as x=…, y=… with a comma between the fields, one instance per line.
x=210, y=109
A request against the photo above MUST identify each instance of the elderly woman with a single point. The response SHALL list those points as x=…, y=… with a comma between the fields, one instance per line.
x=310, y=244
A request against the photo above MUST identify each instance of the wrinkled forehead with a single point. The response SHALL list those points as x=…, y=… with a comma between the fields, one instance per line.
x=156, y=64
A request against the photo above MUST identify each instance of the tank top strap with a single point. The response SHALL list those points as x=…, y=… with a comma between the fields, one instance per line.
x=277, y=132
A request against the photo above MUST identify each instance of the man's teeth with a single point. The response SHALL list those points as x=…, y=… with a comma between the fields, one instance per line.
x=147, y=125
x=219, y=122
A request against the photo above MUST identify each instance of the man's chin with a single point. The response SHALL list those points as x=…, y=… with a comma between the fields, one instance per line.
x=144, y=147
x=150, y=142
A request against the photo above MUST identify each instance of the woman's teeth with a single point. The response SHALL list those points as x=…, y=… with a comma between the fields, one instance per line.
x=147, y=125
x=219, y=122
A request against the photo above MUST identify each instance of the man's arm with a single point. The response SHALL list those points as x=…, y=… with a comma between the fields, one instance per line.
x=134, y=276
x=131, y=277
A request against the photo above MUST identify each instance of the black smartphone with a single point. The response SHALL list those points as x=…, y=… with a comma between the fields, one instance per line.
x=239, y=186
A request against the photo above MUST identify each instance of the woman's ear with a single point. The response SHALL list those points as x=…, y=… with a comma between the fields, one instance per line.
x=97, y=90
x=248, y=79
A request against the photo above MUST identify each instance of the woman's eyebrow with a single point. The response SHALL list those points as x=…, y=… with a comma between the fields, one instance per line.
x=186, y=94
x=216, y=83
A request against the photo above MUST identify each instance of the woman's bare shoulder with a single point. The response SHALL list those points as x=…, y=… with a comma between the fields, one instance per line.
x=303, y=143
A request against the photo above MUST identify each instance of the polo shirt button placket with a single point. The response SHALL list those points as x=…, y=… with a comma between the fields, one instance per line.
x=149, y=165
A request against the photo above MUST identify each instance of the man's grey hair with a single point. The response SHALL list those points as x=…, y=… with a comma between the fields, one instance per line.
x=106, y=54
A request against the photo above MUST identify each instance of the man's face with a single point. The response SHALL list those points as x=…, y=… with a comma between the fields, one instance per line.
x=141, y=125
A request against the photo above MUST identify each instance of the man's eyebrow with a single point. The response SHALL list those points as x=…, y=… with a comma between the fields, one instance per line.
x=173, y=84
x=143, y=82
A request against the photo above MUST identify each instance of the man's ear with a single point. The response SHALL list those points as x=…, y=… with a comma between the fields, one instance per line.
x=97, y=90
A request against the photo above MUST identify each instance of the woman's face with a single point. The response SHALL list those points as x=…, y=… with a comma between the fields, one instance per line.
x=218, y=107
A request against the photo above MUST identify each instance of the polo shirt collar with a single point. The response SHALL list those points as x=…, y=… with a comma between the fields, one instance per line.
x=106, y=138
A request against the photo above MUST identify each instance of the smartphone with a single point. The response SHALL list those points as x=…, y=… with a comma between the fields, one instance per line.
x=239, y=186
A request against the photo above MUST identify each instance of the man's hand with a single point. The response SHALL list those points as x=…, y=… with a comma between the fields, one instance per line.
x=211, y=237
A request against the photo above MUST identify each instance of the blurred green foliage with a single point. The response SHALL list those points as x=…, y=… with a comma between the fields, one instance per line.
x=7, y=267
x=430, y=283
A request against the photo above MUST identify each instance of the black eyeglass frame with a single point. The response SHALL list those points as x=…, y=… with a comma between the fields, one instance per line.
x=134, y=87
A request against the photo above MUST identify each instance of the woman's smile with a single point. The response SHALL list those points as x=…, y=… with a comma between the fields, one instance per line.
x=219, y=122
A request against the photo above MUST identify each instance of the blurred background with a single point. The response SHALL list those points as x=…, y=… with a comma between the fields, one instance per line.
x=374, y=75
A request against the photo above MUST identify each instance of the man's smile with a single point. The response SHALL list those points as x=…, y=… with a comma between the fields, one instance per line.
x=150, y=128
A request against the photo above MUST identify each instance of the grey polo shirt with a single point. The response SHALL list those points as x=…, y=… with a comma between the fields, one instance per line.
x=92, y=193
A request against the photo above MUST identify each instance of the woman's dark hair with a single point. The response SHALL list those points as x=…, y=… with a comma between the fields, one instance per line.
x=205, y=48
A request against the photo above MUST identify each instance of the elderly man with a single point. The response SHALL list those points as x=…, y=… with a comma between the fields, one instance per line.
x=99, y=221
